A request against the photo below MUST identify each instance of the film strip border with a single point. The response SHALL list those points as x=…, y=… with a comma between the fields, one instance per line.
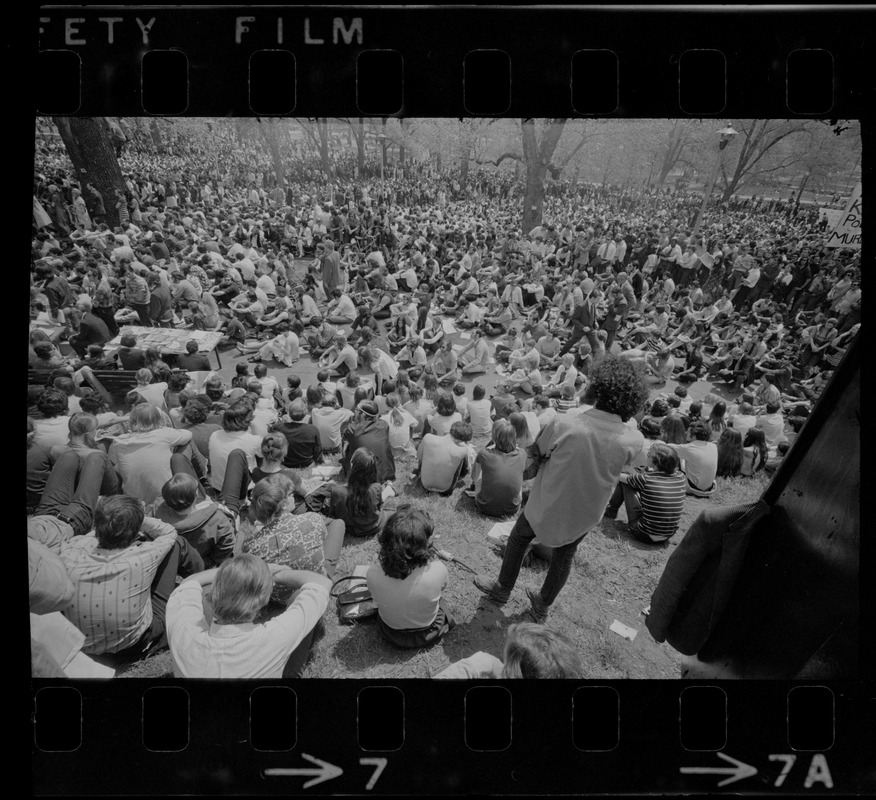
x=514, y=61
x=451, y=737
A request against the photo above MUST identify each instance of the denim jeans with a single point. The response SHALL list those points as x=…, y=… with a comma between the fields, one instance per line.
x=558, y=572
x=236, y=482
x=73, y=488
x=181, y=463
x=630, y=498
x=142, y=310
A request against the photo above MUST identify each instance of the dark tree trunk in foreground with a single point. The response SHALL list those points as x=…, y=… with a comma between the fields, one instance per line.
x=94, y=159
x=537, y=156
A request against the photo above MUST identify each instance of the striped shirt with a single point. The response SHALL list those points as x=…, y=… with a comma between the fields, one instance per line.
x=662, y=499
x=566, y=404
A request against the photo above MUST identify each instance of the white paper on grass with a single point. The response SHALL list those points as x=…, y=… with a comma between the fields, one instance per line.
x=465, y=335
x=501, y=530
x=448, y=326
x=624, y=631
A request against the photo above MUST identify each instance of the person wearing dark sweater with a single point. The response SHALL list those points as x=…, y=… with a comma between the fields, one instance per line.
x=202, y=523
x=366, y=429
x=305, y=448
x=92, y=329
x=130, y=356
x=192, y=360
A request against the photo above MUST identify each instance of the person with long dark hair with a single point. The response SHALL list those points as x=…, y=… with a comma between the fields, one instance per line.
x=366, y=429
x=407, y=583
x=754, y=452
x=359, y=503
x=717, y=422
x=729, y=453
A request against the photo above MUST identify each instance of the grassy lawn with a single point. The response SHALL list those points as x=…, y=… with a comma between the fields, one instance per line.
x=613, y=577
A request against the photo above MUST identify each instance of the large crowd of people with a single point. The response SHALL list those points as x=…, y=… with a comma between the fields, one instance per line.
x=607, y=358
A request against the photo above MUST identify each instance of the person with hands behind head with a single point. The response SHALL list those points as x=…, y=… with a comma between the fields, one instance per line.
x=221, y=638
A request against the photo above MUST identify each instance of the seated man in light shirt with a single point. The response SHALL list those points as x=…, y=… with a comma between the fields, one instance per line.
x=548, y=347
x=221, y=639
x=342, y=358
x=445, y=460
x=471, y=315
x=772, y=423
x=247, y=308
x=341, y=309
x=566, y=375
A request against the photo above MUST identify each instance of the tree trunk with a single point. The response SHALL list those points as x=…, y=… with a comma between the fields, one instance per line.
x=269, y=133
x=802, y=187
x=155, y=132
x=463, y=164
x=538, y=158
x=94, y=160
x=533, y=197
x=672, y=152
x=360, y=147
x=322, y=128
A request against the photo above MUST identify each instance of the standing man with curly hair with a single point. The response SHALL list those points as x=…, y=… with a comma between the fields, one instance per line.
x=576, y=461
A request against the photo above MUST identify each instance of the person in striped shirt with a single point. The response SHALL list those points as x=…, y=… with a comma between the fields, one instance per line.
x=567, y=400
x=654, y=497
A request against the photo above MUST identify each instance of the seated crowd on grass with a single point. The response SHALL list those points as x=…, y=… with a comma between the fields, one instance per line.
x=175, y=519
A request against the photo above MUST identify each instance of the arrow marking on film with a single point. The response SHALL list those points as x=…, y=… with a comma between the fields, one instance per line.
x=737, y=772
x=325, y=771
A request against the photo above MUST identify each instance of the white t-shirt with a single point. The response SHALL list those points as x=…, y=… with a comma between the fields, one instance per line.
x=479, y=417
x=400, y=434
x=201, y=649
x=220, y=446
x=328, y=421
x=411, y=603
x=53, y=431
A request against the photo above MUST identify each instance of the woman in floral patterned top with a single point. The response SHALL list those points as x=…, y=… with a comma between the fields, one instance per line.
x=273, y=532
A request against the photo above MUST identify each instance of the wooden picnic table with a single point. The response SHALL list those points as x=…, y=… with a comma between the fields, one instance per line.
x=169, y=341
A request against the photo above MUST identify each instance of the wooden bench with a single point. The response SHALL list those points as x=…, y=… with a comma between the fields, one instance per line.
x=112, y=384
